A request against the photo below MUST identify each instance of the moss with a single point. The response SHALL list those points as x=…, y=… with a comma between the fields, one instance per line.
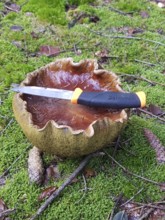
x=52, y=11
x=135, y=154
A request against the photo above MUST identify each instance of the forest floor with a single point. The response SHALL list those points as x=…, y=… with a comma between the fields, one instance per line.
x=126, y=37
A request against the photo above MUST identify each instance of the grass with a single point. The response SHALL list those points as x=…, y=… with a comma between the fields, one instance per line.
x=17, y=61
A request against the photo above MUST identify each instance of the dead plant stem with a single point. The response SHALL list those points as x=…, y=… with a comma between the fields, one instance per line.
x=129, y=200
x=131, y=173
x=147, y=213
x=141, y=78
x=149, y=113
x=7, y=212
x=127, y=37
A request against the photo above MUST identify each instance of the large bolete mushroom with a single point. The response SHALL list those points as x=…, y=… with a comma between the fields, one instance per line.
x=57, y=126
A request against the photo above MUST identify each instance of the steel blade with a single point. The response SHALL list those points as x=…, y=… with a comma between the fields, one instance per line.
x=42, y=91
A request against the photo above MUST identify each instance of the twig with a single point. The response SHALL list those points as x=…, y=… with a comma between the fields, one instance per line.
x=147, y=213
x=10, y=122
x=147, y=205
x=117, y=144
x=133, y=174
x=66, y=183
x=144, y=62
x=11, y=9
x=141, y=78
x=7, y=170
x=149, y=113
x=127, y=37
x=119, y=12
x=110, y=217
x=139, y=191
x=85, y=189
x=7, y=212
x=127, y=151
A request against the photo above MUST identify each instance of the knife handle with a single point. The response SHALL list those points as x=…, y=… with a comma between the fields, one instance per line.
x=107, y=99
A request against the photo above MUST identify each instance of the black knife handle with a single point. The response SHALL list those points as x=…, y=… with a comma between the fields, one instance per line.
x=107, y=99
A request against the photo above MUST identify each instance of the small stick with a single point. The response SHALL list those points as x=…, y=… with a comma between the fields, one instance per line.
x=10, y=9
x=119, y=12
x=126, y=37
x=85, y=189
x=133, y=174
x=144, y=62
x=10, y=122
x=66, y=183
x=110, y=217
x=7, y=212
x=149, y=113
x=117, y=144
x=141, y=78
x=127, y=151
x=129, y=200
x=146, y=214
x=148, y=205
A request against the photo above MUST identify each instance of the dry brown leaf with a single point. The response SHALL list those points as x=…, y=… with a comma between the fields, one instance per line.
x=75, y=180
x=14, y=7
x=155, y=110
x=49, y=51
x=158, y=214
x=102, y=53
x=144, y=14
x=52, y=173
x=89, y=172
x=157, y=146
x=16, y=28
x=47, y=192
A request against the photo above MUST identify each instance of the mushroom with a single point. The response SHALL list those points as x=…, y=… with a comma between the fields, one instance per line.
x=59, y=127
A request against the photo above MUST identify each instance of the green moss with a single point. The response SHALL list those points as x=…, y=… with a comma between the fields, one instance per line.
x=52, y=11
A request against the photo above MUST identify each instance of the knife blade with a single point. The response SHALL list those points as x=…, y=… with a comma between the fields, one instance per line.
x=106, y=99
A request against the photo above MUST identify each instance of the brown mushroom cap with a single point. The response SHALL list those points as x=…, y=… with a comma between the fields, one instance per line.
x=60, y=127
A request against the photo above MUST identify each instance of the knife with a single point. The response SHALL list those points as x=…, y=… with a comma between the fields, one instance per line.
x=106, y=99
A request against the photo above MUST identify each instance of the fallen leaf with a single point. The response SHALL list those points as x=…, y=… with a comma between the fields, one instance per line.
x=129, y=31
x=34, y=35
x=49, y=51
x=156, y=145
x=47, y=192
x=16, y=28
x=158, y=214
x=144, y=14
x=52, y=172
x=94, y=19
x=75, y=180
x=155, y=110
x=120, y=216
x=13, y=7
x=103, y=55
x=89, y=172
